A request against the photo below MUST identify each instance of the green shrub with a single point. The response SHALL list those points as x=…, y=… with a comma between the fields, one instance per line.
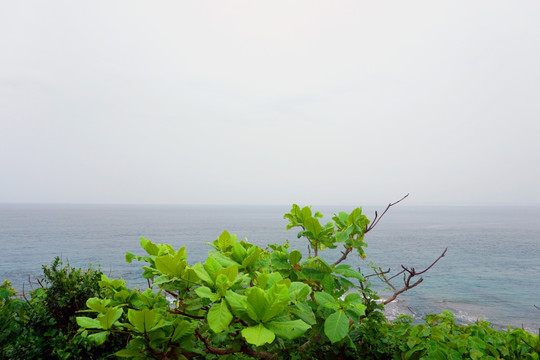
x=441, y=338
x=44, y=326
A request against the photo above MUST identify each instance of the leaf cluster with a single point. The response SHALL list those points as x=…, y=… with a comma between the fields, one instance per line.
x=43, y=326
x=243, y=300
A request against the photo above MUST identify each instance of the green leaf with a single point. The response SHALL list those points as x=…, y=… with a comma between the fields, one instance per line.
x=97, y=304
x=222, y=284
x=336, y=326
x=202, y=274
x=258, y=335
x=294, y=257
x=313, y=226
x=219, y=317
x=109, y=317
x=130, y=256
x=238, y=253
x=143, y=320
x=88, y=323
x=222, y=259
x=298, y=291
x=280, y=260
x=304, y=312
x=211, y=266
x=98, y=338
x=254, y=253
x=353, y=298
x=238, y=304
x=128, y=353
x=256, y=303
x=149, y=247
x=231, y=272
x=205, y=292
x=278, y=299
x=328, y=283
x=170, y=265
x=224, y=240
x=326, y=300
x=182, y=329
x=290, y=329
x=349, y=273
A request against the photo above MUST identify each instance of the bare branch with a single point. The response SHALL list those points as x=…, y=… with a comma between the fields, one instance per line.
x=343, y=256
x=430, y=266
x=376, y=219
x=24, y=296
x=408, y=275
x=244, y=349
x=378, y=273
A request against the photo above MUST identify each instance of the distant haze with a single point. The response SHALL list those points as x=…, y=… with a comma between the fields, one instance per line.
x=251, y=102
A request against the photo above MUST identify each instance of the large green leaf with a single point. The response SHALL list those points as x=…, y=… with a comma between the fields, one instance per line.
x=280, y=260
x=313, y=226
x=98, y=338
x=288, y=329
x=170, y=265
x=211, y=266
x=298, y=291
x=349, y=273
x=219, y=317
x=256, y=303
x=303, y=311
x=265, y=281
x=182, y=329
x=224, y=240
x=88, y=323
x=202, y=274
x=238, y=253
x=143, y=320
x=97, y=304
x=258, y=335
x=326, y=300
x=253, y=255
x=222, y=284
x=205, y=292
x=231, y=272
x=294, y=257
x=336, y=326
x=278, y=299
x=222, y=259
x=109, y=317
x=238, y=304
x=354, y=299
x=149, y=246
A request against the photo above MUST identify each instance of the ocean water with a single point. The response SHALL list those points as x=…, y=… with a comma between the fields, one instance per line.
x=491, y=269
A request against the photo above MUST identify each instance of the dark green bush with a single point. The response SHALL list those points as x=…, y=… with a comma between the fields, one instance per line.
x=44, y=326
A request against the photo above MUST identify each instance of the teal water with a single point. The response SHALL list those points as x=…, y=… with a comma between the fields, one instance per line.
x=491, y=269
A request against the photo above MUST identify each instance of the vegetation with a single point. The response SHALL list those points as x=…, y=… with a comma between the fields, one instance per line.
x=244, y=301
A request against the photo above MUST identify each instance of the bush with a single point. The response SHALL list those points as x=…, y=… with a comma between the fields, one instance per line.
x=44, y=326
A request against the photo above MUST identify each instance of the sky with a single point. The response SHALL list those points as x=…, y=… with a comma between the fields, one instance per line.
x=270, y=102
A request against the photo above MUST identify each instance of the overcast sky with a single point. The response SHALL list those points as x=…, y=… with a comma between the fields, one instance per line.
x=270, y=102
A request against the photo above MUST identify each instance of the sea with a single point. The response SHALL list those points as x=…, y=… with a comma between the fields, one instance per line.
x=491, y=270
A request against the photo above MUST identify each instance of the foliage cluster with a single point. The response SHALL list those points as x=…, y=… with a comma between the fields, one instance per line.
x=441, y=338
x=244, y=301
x=44, y=326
